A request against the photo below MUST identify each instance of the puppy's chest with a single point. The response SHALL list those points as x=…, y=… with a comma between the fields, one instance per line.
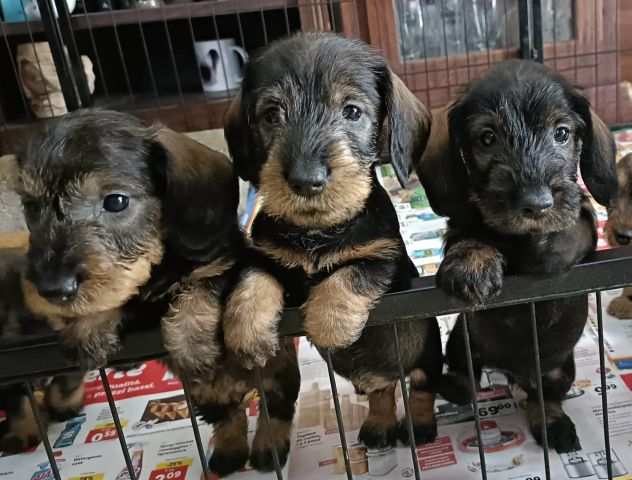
x=318, y=252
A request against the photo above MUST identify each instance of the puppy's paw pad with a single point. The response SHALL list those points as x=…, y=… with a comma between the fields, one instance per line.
x=475, y=275
x=620, y=307
x=561, y=435
x=263, y=460
x=378, y=435
x=225, y=462
x=423, y=433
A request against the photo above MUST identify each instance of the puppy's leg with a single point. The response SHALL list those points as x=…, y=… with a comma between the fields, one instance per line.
x=251, y=317
x=560, y=429
x=282, y=382
x=621, y=307
x=230, y=450
x=21, y=432
x=379, y=430
x=455, y=386
x=64, y=396
x=93, y=339
x=190, y=331
x=337, y=308
x=471, y=270
x=421, y=403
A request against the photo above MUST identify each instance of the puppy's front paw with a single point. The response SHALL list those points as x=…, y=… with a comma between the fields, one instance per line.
x=376, y=433
x=94, y=352
x=225, y=461
x=252, y=314
x=335, y=314
x=424, y=433
x=190, y=333
x=620, y=307
x=561, y=435
x=472, y=271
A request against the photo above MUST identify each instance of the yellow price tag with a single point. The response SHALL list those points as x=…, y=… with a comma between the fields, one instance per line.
x=96, y=476
x=182, y=462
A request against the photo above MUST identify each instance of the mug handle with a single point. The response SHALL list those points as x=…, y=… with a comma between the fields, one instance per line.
x=244, y=58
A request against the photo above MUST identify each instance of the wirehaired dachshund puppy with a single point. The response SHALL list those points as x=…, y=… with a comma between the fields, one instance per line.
x=619, y=230
x=315, y=115
x=131, y=225
x=502, y=164
x=63, y=394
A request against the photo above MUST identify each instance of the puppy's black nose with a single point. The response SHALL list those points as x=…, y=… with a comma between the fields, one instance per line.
x=307, y=185
x=623, y=237
x=536, y=202
x=59, y=288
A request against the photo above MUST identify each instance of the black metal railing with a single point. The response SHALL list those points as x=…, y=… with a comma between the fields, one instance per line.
x=37, y=357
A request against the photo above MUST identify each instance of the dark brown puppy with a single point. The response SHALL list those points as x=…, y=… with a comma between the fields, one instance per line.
x=130, y=223
x=502, y=164
x=315, y=115
x=63, y=395
x=619, y=230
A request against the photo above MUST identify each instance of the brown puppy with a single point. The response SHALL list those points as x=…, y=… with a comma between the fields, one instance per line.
x=316, y=113
x=502, y=164
x=619, y=230
x=130, y=223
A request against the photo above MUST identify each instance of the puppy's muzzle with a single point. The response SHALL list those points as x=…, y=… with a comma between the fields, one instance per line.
x=307, y=181
x=535, y=202
x=56, y=286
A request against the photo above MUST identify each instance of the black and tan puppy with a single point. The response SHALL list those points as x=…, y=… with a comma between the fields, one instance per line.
x=619, y=231
x=63, y=395
x=502, y=164
x=130, y=225
x=316, y=114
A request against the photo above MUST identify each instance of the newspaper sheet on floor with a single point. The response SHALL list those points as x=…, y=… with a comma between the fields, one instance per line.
x=157, y=427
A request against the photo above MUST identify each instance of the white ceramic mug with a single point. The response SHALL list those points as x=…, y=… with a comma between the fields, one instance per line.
x=221, y=64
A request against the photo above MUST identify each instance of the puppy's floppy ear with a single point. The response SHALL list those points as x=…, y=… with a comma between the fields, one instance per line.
x=240, y=139
x=441, y=170
x=199, y=194
x=598, y=155
x=406, y=126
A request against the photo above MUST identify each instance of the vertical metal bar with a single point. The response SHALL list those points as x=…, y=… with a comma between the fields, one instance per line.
x=152, y=77
x=172, y=56
x=341, y=426
x=68, y=36
x=186, y=386
x=553, y=3
x=192, y=31
x=616, y=60
x=536, y=28
x=485, y=14
x=37, y=59
x=117, y=423
x=409, y=419
x=266, y=416
x=287, y=19
x=97, y=59
x=241, y=31
x=604, y=386
x=42, y=430
x=538, y=379
x=333, y=16
x=221, y=53
x=62, y=65
x=467, y=44
x=128, y=82
x=263, y=26
x=14, y=67
x=473, y=384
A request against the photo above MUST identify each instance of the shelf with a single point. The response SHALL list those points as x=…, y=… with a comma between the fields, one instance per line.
x=84, y=21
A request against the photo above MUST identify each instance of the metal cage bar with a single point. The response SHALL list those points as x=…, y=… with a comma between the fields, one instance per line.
x=43, y=431
x=604, y=386
x=266, y=415
x=186, y=386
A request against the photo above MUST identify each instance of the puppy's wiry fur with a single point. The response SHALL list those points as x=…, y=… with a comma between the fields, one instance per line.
x=316, y=114
x=130, y=223
x=502, y=164
x=63, y=397
x=619, y=230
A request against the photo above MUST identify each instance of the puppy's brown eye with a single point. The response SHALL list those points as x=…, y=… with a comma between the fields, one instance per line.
x=562, y=135
x=488, y=138
x=352, y=113
x=272, y=116
x=115, y=203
